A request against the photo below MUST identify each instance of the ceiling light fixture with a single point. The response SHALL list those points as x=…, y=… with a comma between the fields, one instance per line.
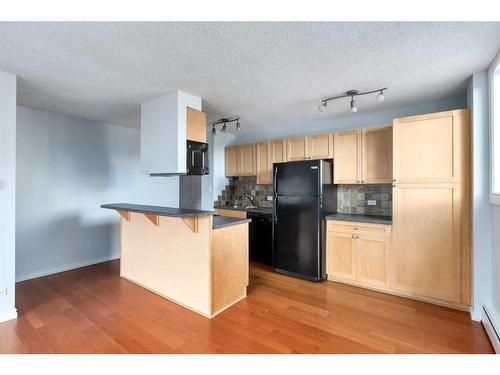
x=224, y=122
x=352, y=94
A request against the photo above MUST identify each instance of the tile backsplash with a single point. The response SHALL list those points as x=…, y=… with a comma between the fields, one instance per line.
x=353, y=199
x=239, y=186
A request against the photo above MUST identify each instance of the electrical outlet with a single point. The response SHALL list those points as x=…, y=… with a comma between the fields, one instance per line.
x=269, y=198
x=371, y=202
x=3, y=291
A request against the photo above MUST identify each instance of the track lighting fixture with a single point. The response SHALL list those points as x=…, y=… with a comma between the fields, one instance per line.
x=352, y=93
x=224, y=122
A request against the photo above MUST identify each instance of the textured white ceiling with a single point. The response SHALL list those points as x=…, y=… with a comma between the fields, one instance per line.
x=268, y=73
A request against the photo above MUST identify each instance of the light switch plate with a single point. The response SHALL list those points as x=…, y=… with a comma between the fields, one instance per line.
x=269, y=198
x=371, y=202
x=3, y=291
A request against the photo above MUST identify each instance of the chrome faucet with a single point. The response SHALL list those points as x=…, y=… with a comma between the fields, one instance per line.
x=248, y=197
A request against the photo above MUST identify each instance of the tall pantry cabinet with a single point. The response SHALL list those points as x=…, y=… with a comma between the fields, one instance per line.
x=431, y=200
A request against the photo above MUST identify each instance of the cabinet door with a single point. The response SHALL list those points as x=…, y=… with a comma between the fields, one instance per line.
x=231, y=160
x=377, y=155
x=427, y=148
x=341, y=256
x=373, y=261
x=321, y=146
x=278, y=151
x=296, y=149
x=427, y=242
x=347, y=157
x=247, y=160
x=196, y=125
x=264, y=163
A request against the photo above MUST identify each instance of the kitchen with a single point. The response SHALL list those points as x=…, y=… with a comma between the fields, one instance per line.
x=203, y=226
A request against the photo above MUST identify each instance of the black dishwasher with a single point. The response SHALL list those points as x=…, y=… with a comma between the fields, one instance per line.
x=261, y=237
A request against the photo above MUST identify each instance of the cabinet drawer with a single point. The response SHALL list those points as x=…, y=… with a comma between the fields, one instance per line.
x=353, y=227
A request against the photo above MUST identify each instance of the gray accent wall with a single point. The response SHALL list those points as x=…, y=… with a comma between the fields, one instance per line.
x=67, y=168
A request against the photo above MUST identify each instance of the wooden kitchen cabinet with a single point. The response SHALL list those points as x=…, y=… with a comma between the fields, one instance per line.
x=431, y=207
x=376, y=155
x=296, y=149
x=264, y=163
x=341, y=258
x=231, y=161
x=363, y=156
x=429, y=148
x=311, y=147
x=278, y=151
x=373, y=260
x=347, y=157
x=240, y=160
x=359, y=253
x=247, y=160
x=320, y=146
x=196, y=125
x=427, y=240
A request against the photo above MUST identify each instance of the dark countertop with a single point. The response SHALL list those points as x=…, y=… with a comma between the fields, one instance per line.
x=225, y=221
x=361, y=218
x=157, y=210
x=259, y=210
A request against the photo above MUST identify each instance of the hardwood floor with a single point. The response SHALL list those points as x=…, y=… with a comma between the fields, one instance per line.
x=93, y=310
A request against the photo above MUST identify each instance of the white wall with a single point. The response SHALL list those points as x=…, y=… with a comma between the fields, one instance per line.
x=7, y=194
x=67, y=168
x=478, y=102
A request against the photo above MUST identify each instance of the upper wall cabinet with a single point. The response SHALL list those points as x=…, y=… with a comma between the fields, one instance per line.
x=246, y=160
x=231, y=160
x=296, y=149
x=196, y=126
x=268, y=153
x=363, y=156
x=347, y=157
x=376, y=155
x=427, y=148
x=311, y=147
x=240, y=160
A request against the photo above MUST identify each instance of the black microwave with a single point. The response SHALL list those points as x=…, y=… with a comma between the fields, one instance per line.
x=197, y=158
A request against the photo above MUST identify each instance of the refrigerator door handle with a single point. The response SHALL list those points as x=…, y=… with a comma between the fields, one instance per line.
x=274, y=179
x=275, y=215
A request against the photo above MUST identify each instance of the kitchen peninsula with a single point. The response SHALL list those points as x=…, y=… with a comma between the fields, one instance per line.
x=190, y=257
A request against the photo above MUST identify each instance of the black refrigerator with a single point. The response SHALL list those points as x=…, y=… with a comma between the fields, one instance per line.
x=303, y=194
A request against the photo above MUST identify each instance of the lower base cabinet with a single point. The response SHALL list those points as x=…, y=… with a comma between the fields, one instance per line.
x=357, y=255
x=422, y=267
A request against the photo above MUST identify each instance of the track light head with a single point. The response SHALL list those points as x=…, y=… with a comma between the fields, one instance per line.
x=214, y=131
x=224, y=128
x=353, y=105
x=238, y=126
x=381, y=97
x=322, y=107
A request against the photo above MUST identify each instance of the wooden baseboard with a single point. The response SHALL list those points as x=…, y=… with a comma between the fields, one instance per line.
x=456, y=306
x=491, y=327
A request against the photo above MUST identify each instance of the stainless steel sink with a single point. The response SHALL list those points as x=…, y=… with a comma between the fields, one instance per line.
x=244, y=207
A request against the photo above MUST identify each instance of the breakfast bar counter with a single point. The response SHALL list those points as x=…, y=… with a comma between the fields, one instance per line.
x=184, y=255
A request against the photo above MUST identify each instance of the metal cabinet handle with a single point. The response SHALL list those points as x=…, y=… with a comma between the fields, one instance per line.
x=357, y=236
x=353, y=236
x=356, y=228
x=394, y=180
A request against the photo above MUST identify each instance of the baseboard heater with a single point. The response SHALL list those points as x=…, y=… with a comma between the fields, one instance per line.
x=491, y=330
